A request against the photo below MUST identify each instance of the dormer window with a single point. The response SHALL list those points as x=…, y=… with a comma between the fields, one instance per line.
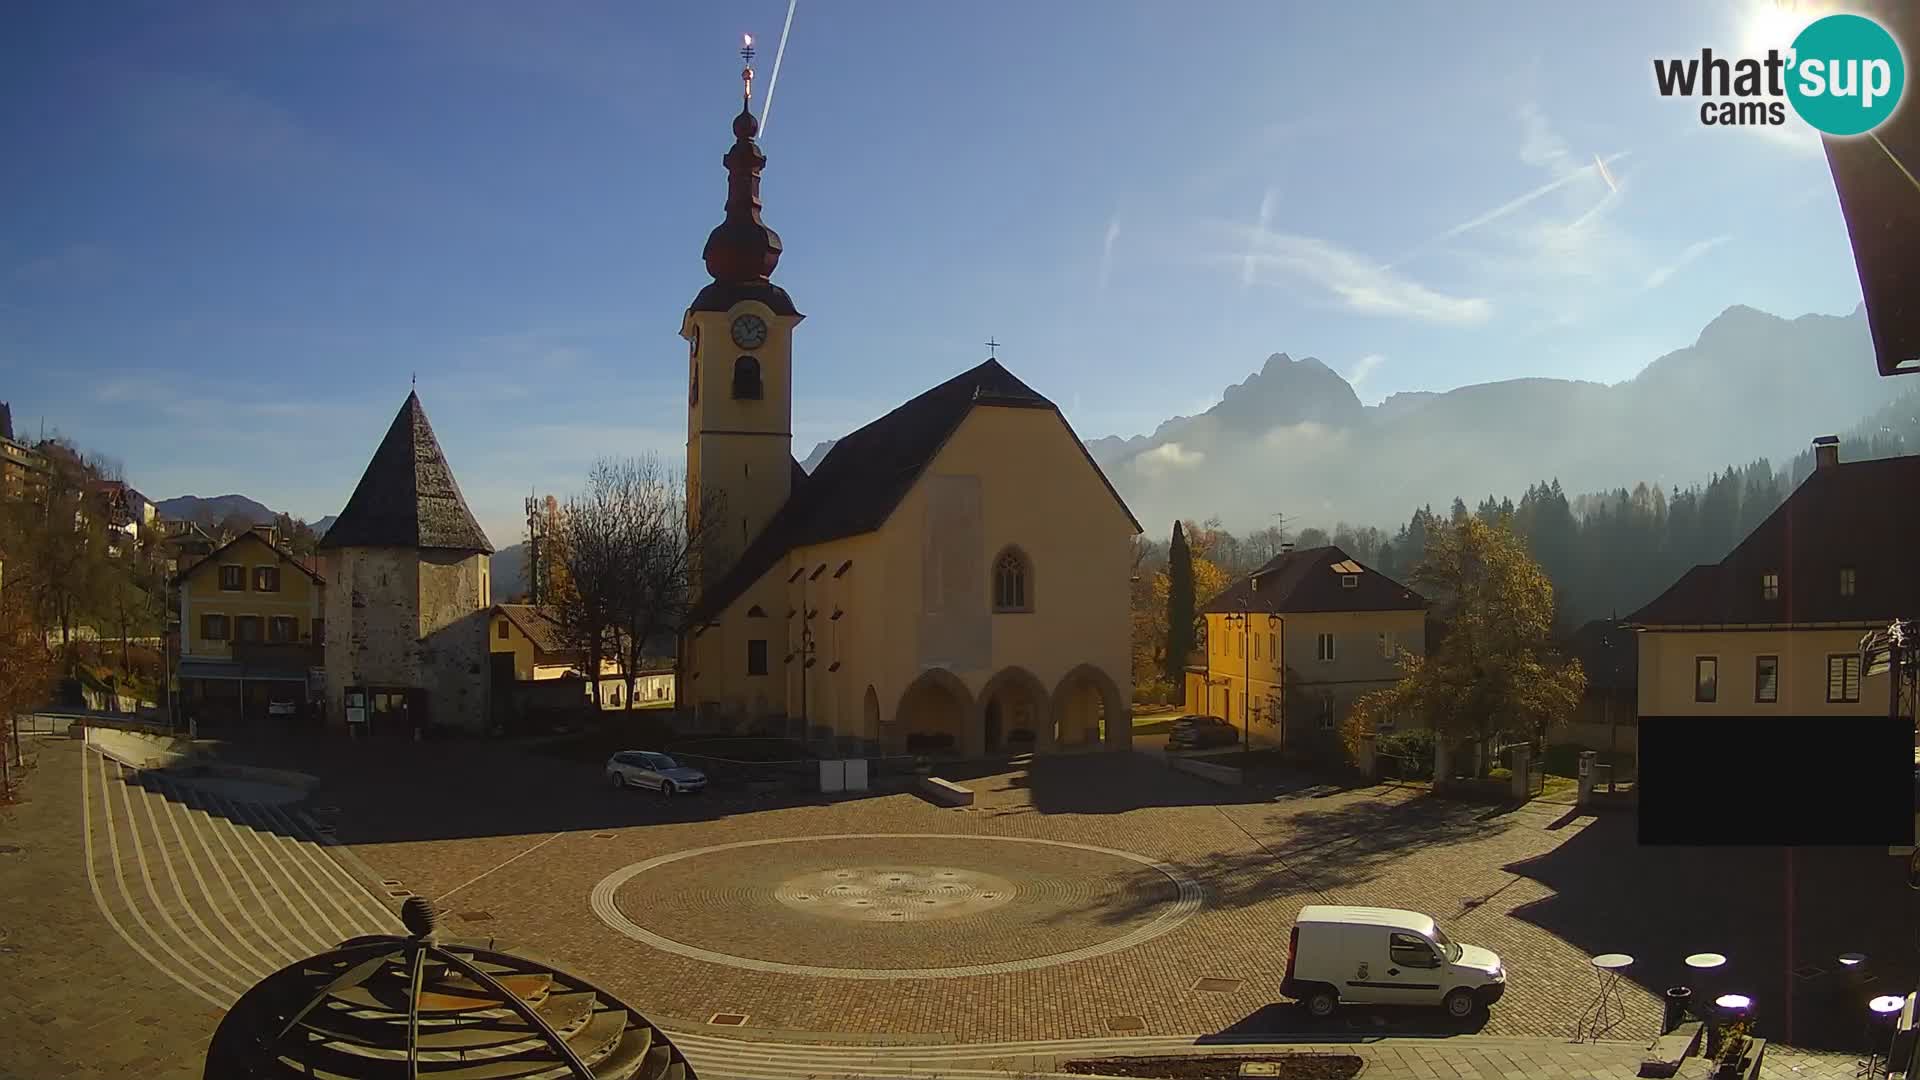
x=1349, y=581
x=1769, y=586
x=1847, y=581
x=746, y=379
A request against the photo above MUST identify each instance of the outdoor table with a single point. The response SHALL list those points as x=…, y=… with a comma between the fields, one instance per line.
x=1607, y=1009
x=1880, y=1011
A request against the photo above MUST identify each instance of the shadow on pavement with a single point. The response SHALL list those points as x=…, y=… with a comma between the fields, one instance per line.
x=1351, y=1024
x=1781, y=916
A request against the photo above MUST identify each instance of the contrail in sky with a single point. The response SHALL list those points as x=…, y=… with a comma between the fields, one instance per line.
x=766, y=110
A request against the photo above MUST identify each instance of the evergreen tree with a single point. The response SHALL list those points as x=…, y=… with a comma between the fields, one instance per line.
x=1180, y=614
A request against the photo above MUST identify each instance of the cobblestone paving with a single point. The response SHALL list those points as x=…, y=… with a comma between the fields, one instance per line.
x=520, y=865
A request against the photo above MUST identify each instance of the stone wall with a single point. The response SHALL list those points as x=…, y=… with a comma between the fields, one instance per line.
x=453, y=644
x=373, y=615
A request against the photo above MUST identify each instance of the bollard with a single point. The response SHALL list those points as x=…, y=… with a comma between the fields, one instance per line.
x=1677, y=1000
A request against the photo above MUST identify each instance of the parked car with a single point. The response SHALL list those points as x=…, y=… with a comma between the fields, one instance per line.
x=1385, y=956
x=648, y=769
x=1198, y=732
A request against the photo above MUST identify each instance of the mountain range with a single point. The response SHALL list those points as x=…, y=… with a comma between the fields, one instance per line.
x=1294, y=439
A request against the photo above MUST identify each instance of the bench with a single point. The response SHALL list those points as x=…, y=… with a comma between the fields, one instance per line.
x=945, y=792
x=1666, y=1053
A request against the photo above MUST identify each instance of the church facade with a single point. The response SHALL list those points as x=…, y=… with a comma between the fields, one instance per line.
x=952, y=577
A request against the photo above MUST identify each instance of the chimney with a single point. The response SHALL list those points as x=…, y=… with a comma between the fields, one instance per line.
x=1826, y=452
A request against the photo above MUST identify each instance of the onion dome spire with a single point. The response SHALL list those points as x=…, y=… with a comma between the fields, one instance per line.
x=742, y=249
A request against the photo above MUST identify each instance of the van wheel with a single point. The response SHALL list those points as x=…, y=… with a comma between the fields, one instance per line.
x=1320, y=1002
x=1460, y=1003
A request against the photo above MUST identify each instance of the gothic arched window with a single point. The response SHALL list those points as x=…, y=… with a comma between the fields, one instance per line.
x=746, y=379
x=1012, y=581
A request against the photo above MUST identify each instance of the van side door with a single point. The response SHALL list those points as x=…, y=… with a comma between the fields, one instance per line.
x=1414, y=970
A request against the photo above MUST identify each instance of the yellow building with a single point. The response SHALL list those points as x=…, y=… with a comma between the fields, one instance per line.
x=251, y=629
x=1290, y=646
x=1775, y=627
x=528, y=646
x=952, y=576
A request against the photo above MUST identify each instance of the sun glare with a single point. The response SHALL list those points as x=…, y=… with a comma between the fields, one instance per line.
x=1773, y=24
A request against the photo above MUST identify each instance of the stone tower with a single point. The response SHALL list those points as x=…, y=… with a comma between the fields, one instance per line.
x=739, y=333
x=407, y=571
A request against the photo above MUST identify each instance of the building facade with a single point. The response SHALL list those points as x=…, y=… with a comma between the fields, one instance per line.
x=950, y=578
x=407, y=610
x=1775, y=627
x=527, y=645
x=1292, y=645
x=252, y=626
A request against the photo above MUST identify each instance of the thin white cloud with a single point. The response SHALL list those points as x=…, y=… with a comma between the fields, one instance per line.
x=766, y=110
x=1363, y=367
x=1520, y=202
x=1106, y=250
x=1688, y=254
x=1167, y=458
x=1358, y=283
x=1260, y=226
x=1541, y=146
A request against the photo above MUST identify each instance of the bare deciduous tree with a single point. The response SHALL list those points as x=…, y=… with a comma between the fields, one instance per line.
x=629, y=546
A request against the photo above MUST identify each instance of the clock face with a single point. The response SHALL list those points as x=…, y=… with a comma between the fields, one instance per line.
x=749, y=331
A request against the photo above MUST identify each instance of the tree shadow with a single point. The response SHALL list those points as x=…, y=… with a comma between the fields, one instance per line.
x=1781, y=917
x=1341, y=847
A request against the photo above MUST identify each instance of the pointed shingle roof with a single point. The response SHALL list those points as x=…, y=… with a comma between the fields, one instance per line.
x=407, y=497
x=1314, y=580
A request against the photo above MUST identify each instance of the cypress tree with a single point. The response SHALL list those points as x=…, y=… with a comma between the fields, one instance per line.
x=1180, y=635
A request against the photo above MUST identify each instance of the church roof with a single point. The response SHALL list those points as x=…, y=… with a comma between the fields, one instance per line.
x=407, y=497
x=856, y=487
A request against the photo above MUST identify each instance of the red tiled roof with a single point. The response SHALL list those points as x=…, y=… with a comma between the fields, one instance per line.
x=1862, y=515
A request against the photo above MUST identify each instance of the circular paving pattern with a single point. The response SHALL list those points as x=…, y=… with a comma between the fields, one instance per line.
x=911, y=906
x=895, y=894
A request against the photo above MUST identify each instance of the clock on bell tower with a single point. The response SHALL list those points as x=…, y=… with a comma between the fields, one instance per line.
x=739, y=333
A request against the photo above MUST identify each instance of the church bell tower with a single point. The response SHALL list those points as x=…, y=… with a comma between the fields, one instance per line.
x=739, y=333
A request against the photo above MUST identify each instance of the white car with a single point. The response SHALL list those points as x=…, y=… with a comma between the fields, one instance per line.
x=647, y=769
x=1385, y=956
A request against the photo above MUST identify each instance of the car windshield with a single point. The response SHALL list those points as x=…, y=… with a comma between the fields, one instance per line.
x=662, y=761
x=1447, y=947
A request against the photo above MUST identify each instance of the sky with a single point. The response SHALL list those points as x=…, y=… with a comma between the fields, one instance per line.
x=235, y=232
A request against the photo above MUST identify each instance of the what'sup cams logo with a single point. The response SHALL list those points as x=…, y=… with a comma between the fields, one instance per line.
x=1843, y=75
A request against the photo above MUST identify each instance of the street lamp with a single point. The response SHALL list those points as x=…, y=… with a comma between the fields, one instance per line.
x=1244, y=621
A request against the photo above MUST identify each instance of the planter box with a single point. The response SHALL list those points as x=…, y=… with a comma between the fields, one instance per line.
x=945, y=792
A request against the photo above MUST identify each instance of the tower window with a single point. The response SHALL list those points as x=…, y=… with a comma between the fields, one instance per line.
x=1012, y=582
x=746, y=379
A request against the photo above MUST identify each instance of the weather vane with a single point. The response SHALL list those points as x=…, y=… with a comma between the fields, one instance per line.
x=746, y=73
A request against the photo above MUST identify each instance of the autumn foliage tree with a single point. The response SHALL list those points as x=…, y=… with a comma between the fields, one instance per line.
x=1494, y=670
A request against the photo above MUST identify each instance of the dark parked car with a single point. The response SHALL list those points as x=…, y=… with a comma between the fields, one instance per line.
x=1199, y=732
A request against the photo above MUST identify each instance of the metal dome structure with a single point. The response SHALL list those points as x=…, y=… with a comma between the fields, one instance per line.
x=414, y=1007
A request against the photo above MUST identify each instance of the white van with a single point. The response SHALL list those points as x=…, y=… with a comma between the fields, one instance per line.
x=1384, y=956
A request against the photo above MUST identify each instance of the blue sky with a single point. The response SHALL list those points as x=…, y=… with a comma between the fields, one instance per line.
x=235, y=230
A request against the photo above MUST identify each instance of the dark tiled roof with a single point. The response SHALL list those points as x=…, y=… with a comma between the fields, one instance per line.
x=1609, y=654
x=1298, y=582
x=1860, y=514
x=408, y=498
x=1876, y=198
x=722, y=295
x=860, y=481
x=286, y=556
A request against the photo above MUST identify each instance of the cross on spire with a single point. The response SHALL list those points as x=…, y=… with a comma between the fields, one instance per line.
x=992, y=349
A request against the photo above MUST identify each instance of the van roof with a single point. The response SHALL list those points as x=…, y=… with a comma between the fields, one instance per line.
x=1411, y=921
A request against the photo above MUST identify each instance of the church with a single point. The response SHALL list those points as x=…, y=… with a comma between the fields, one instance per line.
x=951, y=578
